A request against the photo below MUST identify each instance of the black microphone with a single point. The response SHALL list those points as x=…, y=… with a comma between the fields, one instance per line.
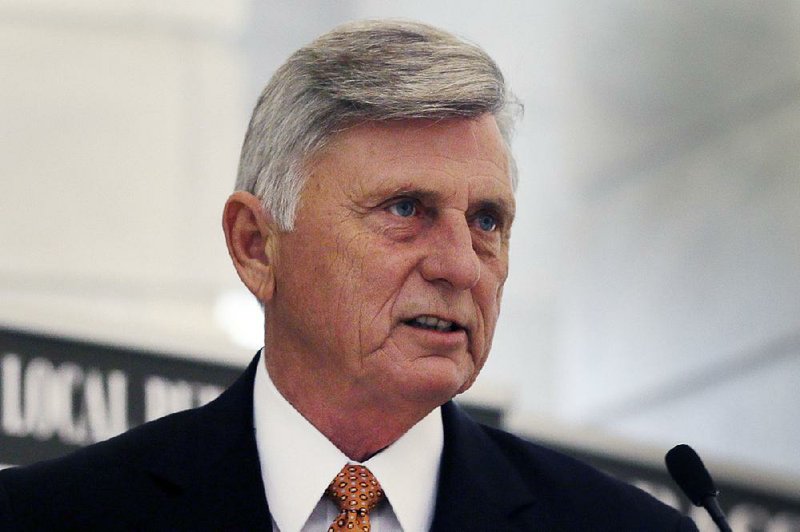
x=691, y=475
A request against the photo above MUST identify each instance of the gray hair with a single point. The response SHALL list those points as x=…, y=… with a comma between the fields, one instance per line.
x=363, y=71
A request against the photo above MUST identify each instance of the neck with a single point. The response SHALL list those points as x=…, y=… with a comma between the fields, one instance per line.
x=359, y=426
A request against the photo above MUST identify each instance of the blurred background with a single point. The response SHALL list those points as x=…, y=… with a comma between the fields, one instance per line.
x=654, y=296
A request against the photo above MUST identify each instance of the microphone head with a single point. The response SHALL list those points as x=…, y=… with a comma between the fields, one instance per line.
x=690, y=474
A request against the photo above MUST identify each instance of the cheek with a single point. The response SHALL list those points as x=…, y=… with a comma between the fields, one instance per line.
x=499, y=274
x=315, y=275
x=364, y=281
x=490, y=298
x=492, y=292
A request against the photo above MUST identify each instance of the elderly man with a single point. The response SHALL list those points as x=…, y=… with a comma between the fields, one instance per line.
x=371, y=218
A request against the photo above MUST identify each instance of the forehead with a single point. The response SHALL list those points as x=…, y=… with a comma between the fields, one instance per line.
x=457, y=154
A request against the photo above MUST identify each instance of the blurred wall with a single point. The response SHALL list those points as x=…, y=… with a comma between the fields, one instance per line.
x=121, y=123
x=677, y=312
x=654, y=293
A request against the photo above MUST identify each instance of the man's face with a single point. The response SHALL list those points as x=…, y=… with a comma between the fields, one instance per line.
x=389, y=286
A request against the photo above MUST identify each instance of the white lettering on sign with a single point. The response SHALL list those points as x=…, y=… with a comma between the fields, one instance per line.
x=42, y=400
x=164, y=396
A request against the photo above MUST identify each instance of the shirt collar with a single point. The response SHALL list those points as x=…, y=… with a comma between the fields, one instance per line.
x=298, y=462
x=408, y=471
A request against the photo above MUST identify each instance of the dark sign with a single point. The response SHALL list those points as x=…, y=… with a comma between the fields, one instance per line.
x=57, y=395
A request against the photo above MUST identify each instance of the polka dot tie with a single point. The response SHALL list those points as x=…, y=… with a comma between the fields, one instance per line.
x=355, y=491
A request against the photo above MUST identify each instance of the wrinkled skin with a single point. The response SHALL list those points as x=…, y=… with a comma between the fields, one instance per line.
x=398, y=221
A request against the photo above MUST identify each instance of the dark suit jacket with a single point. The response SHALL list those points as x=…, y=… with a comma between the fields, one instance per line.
x=199, y=470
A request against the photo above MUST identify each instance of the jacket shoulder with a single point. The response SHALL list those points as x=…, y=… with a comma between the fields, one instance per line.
x=194, y=470
x=587, y=495
x=542, y=489
x=104, y=478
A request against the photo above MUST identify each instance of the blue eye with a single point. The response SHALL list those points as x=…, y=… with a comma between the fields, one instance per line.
x=486, y=222
x=404, y=208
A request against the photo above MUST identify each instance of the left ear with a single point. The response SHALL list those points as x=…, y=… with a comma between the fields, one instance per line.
x=251, y=236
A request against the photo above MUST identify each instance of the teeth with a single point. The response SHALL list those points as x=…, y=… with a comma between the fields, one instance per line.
x=432, y=322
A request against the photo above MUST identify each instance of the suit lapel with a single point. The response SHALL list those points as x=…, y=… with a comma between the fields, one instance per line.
x=212, y=476
x=478, y=488
x=213, y=472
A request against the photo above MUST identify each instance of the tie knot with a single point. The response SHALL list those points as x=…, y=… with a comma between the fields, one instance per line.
x=355, y=489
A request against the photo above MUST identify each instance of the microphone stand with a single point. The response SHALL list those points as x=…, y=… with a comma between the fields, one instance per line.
x=717, y=515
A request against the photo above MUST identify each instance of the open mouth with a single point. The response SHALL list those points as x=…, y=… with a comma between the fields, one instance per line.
x=433, y=323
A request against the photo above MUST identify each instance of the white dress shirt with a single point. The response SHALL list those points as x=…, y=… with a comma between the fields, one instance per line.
x=298, y=462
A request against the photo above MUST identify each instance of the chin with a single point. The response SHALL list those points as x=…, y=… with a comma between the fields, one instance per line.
x=434, y=388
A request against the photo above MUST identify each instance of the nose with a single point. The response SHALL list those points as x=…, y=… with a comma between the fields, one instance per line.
x=450, y=257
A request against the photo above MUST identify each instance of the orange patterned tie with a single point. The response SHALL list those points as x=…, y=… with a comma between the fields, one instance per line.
x=356, y=491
